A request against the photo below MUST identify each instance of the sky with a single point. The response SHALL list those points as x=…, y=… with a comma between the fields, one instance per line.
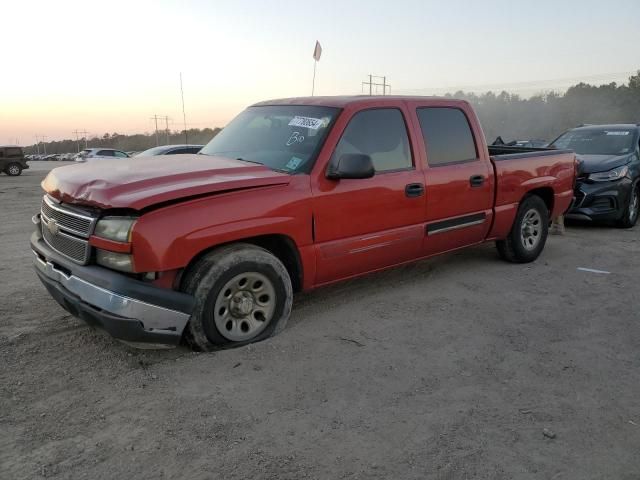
x=109, y=66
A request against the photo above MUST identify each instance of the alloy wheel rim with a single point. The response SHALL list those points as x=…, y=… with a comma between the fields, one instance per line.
x=13, y=170
x=531, y=229
x=244, y=306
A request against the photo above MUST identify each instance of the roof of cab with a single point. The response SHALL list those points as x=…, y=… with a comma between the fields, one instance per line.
x=342, y=101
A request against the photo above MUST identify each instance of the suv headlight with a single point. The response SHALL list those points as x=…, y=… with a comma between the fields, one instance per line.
x=611, y=175
x=115, y=228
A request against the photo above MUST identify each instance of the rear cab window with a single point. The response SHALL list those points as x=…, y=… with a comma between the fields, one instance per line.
x=447, y=136
x=380, y=133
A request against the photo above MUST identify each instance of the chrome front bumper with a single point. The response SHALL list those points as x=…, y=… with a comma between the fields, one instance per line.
x=130, y=310
x=152, y=317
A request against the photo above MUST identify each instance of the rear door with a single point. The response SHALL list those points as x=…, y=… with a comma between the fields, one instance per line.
x=458, y=177
x=366, y=224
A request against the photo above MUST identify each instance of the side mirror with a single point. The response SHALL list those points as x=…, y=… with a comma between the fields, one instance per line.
x=351, y=165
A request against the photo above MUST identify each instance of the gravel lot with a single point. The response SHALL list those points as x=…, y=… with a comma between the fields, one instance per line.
x=448, y=369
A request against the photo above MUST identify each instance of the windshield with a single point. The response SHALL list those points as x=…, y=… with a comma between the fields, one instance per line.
x=596, y=142
x=282, y=137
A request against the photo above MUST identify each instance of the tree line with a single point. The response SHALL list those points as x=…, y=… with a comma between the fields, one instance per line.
x=129, y=143
x=510, y=116
x=547, y=115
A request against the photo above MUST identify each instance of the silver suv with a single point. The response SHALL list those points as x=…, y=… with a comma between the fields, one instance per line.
x=90, y=154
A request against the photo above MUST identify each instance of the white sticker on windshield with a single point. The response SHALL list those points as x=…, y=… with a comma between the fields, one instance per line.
x=306, y=122
x=293, y=163
x=618, y=132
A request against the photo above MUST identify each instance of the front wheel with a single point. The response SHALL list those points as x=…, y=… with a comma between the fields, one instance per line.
x=528, y=234
x=13, y=169
x=243, y=295
x=630, y=215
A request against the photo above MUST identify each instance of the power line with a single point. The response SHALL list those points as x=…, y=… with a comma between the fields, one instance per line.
x=532, y=84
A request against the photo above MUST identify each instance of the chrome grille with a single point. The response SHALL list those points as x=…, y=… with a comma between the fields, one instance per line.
x=67, y=231
x=70, y=221
x=72, y=247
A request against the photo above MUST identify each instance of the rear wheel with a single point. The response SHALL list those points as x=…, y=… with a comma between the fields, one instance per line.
x=630, y=215
x=13, y=169
x=529, y=233
x=243, y=295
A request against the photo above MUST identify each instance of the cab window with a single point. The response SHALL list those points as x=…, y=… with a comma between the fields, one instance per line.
x=381, y=134
x=447, y=136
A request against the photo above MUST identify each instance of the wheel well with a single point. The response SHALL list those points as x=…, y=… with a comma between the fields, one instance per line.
x=546, y=194
x=281, y=246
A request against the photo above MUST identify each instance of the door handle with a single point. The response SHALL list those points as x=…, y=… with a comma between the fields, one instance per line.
x=476, y=180
x=414, y=190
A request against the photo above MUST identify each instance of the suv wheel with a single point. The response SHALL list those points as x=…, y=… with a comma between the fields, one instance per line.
x=630, y=215
x=13, y=169
x=529, y=233
x=243, y=295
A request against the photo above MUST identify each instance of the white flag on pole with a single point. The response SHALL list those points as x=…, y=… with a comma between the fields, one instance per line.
x=317, y=52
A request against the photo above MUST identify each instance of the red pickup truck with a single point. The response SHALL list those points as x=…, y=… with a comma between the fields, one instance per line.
x=291, y=195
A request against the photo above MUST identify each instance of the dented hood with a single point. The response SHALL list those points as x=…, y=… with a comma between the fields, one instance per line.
x=140, y=182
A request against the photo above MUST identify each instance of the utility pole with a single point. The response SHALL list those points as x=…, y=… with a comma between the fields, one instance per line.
x=184, y=115
x=85, y=133
x=37, y=145
x=166, y=124
x=155, y=117
x=44, y=144
x=371, y=83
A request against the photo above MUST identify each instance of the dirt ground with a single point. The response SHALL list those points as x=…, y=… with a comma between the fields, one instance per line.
x=448, y=369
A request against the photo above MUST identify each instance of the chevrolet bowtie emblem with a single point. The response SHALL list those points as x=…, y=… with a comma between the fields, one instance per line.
x=53, y=227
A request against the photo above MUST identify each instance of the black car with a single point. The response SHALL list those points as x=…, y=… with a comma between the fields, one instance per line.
x=12, y=160
x=608, y=183
x=170, y=150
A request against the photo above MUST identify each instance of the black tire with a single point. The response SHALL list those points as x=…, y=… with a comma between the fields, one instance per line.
x=631, y=210
x=518, y=246
x=209, y=330
x=13, y=169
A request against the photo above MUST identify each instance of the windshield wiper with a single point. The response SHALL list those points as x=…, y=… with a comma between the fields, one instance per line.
x=249, y=161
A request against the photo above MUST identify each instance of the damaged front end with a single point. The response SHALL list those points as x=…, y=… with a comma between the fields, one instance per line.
x=129, y=309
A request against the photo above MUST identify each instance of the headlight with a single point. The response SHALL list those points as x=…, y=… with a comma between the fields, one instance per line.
x=615, y=174
x=115, y=228
x=116, y=261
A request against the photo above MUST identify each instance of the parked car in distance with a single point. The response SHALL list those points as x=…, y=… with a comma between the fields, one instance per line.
x=534, y=143
x=608, y=183
x=12, y=160
x=91, y=154
x=293, y=194
x=170, y=150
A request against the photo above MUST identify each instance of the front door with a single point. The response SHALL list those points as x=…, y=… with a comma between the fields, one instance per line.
x=367, y=224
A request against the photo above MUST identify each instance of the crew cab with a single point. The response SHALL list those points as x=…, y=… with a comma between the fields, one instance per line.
x=292, y=195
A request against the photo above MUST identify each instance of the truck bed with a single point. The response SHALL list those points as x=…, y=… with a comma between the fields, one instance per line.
x=521, y=170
